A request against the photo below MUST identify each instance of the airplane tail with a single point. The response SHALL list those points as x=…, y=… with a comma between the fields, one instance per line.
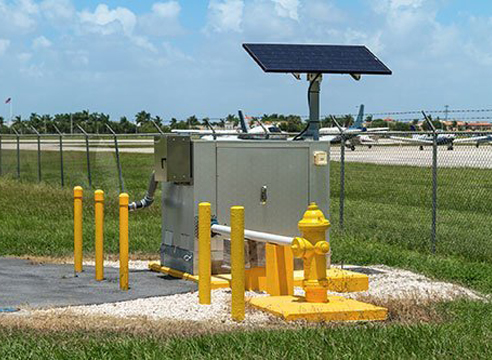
x=359, y=122
x=244, y=126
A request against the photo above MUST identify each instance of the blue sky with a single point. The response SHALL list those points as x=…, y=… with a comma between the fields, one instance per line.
x=182, y=57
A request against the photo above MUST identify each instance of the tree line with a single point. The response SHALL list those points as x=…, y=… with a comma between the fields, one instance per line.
x=144, y=122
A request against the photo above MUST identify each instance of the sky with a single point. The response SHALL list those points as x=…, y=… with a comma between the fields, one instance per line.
x=184, y=57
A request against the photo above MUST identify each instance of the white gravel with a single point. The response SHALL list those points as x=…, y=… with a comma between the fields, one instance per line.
x=384, y=283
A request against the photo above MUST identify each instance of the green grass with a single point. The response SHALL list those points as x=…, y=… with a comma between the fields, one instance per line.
x=387, y=219
x=387, y=213
x=464, y=333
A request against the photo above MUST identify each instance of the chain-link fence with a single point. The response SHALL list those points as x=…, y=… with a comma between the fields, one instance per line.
x=423, y=191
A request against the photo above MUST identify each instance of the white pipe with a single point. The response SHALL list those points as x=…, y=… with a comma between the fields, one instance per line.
x=256, y=235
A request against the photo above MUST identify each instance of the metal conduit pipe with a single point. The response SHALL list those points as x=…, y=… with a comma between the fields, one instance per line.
x=255, y=235
x=148, y=198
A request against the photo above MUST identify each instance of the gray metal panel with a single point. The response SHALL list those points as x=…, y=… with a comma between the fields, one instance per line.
x=179, y=159
x=160, y=154
x=242, y=172
x=172, y=158
x=178, y=226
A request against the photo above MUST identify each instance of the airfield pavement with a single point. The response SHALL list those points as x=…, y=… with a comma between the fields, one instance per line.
x=386, y=153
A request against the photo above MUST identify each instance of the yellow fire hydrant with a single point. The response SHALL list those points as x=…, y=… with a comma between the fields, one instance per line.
x=312, y=247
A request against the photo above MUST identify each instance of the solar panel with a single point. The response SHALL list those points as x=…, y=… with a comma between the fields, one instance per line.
x=334, y=59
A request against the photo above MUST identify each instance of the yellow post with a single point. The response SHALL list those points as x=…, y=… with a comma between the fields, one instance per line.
x=279, y=270
x=237, y=263
x=204, y=261
x=77, y=228
x=99, y=219
x=313, y=247
x=124, y=241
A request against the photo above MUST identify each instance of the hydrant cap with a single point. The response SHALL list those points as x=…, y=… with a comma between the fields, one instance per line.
x=313, y=217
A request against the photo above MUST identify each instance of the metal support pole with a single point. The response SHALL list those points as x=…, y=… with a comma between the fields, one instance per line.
x=99, y=225
x=39, y=153
x=434, y=193
x=61, y=156
x=89, y=176
x=204, y=253
x=77, y=228
x=313, y=100
x=124, y=241
x=118, y=163
x=18, y=156
x=342, y=181
x=237, y=263
x=0, y=155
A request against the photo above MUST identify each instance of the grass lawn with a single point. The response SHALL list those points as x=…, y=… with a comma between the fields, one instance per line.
x=464, y=332
x=387, y=220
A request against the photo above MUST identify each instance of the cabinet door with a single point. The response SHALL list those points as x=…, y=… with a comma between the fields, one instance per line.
x=271, y=183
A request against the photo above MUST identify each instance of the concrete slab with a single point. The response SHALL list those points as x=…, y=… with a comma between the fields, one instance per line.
x=25, y=285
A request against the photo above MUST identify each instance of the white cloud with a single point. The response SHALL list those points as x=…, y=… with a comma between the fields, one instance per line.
x=170, y=9
x=106, y=21
x=225, y=15
x=41, y=42
x=287, y=8
x=163, y=20
x=4, y=44
x=57, y=10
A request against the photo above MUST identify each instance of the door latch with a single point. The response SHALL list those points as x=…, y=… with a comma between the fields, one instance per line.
x=263, y=195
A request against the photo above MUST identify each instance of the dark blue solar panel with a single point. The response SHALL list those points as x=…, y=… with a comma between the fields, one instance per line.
x=335, y=59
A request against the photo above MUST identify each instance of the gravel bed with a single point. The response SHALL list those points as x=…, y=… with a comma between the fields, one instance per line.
x=385, y=283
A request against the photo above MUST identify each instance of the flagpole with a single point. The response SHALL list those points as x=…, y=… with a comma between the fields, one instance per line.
x=10, y=103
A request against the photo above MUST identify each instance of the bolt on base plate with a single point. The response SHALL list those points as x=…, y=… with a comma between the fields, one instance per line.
x=337, y=308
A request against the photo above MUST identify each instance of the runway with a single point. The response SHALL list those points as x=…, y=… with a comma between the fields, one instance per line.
x=386, y=153
x=461, y=156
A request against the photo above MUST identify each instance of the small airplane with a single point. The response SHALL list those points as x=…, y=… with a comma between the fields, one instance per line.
x=260, y=132
x=441, y=139
x=356, y=134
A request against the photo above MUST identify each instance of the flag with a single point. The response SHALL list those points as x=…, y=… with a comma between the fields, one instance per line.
x=8, y=101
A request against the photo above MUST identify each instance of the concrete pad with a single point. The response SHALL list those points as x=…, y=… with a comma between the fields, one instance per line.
x=336, y=309
x=25, y=285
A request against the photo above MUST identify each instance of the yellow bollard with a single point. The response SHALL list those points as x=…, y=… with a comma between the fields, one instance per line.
x=124, y=241
x=204, y=261
x=77, y=228
x=237, y=263
x=99, y=219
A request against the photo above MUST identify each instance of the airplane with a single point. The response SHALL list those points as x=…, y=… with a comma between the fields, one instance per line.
x=355, y=134
x=441, y=139
x=260, y=132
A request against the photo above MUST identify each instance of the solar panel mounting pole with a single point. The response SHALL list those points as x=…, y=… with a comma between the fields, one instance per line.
x=313, y=98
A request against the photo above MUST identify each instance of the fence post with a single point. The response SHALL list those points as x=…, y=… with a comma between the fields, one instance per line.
x=39, y=152
x=342, y=181
x=204, y=261
x=18, y=152
x=89, y=177
x=118, y=163
x=61, y=155
x=0, y=154
x=237, y=263
x=124, y=241
x=99, y=220
x=77, y=228
x=434, y=193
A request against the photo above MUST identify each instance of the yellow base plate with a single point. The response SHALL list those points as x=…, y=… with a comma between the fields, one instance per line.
x=339, y=280
x=336, y=309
